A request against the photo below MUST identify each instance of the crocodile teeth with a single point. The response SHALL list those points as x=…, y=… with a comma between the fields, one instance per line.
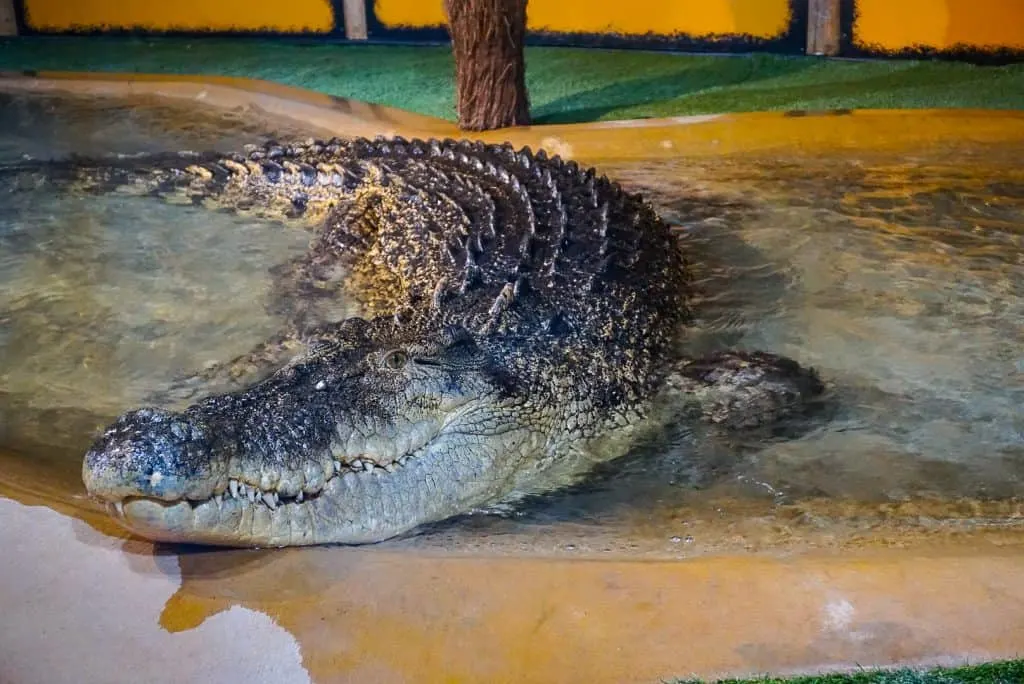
x=356, y=464
x=251, y=493
x=270, y=498
x=233, y=486
x=119, y=505
x=367, y=466
x=337, y=466
x=299, y=497
x=219, y=498
x=390, y=467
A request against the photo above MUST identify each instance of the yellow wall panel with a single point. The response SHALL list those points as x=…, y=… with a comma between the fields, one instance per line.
x=759, y=18
x=412, y=13
x=939, y=23
x=181, y=15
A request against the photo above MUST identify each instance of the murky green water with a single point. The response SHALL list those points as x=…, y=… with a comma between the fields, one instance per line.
x=901, y=279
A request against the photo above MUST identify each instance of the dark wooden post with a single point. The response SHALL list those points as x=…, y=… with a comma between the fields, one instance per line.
x=490, y=69
x=355, y=19
x=8, y=25
x=823, y=27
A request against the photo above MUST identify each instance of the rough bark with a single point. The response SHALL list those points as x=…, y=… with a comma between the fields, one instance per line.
x=823, y=32
x=490, y=69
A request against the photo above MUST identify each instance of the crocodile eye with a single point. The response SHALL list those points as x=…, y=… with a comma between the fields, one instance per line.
x=395, y=359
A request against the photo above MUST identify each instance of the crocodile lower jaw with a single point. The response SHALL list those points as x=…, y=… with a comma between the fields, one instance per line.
x=242, y=513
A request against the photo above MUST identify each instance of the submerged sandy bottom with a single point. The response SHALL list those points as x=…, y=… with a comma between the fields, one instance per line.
x=891, y=534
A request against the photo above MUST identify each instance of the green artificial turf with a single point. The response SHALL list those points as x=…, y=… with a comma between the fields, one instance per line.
x=1009, y=672
x=566, y=84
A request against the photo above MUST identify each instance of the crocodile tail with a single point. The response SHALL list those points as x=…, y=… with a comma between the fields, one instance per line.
x=165, y=176
x=251, y=184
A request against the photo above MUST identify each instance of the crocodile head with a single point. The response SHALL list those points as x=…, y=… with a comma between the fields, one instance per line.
x=373, y=432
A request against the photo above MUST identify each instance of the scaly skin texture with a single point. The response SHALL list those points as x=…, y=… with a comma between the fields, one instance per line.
x=519, y=323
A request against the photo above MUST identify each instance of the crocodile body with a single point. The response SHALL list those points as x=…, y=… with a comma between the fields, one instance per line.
x=519, y=320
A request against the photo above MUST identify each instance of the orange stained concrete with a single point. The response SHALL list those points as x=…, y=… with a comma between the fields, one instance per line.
x=939, y=23
x=380, y=615
x=694, y=136
x=522, y=620
x=759, y=18
x=183, y=15
x=913, y=583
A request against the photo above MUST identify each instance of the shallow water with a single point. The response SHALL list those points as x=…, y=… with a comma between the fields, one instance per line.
x=900, y=279
x=903, y=283
x=106, y=300
x=49, y=126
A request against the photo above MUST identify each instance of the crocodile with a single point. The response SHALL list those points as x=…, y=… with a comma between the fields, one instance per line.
x=519, y=321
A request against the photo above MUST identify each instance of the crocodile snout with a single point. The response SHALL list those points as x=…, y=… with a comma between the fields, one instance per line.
x=150, y=453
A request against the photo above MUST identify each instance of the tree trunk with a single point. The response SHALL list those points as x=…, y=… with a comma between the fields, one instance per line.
x=490, y=69
x=823, y=27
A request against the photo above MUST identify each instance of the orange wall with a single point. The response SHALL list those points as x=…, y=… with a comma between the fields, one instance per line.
x=896, y=24
x=181, y=15
x=888, y=25
x=759, y=18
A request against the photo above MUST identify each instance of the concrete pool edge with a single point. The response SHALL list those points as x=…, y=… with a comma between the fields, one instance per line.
x=516, y=619
x=523, y=620
x=693, y=136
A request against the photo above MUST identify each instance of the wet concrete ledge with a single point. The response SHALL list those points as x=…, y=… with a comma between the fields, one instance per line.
x=694, y=136
x=398, y=614
x=385, y=615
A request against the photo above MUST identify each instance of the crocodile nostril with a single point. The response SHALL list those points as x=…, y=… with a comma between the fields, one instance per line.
x=149, y=452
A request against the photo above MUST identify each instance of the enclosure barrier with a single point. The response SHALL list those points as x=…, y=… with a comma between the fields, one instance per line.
x=981, y=30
